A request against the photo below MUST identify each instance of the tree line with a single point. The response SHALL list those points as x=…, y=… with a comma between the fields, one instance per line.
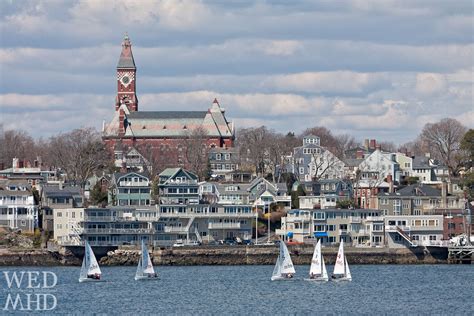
x=81, y=153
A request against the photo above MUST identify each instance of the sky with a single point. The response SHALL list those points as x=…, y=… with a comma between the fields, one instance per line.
x=368, y=68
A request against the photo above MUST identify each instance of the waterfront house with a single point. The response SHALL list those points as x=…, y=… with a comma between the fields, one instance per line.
x=414, y=230
x=54, y=197
x=356, y=227
x=18, y=209
x=67, y=225
x=129, y=189
x=418, y=199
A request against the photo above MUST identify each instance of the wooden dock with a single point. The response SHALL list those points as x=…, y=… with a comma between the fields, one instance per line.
x=460, y=254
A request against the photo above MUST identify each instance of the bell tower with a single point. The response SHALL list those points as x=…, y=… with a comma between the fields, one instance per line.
x=126, y=78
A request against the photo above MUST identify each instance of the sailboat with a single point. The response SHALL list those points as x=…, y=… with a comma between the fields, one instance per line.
x=318, y=271
x=284, y=266
x=341, y=269
x=145, y=269
x=90, y=271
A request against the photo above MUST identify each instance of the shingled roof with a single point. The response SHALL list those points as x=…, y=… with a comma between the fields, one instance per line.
x=126, y=56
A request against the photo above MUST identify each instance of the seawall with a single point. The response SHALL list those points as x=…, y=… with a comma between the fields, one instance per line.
x=220, y=255
x=251, y=255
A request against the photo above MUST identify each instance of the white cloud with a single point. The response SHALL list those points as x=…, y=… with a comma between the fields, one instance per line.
x=362, y=67
x=429, y=84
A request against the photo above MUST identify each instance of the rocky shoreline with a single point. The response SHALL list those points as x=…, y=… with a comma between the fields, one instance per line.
x=216, y=255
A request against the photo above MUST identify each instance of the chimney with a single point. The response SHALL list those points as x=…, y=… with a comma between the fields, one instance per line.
x=121, y=122
x=28, y=164
x=373, y=143
x=60, y=185
x=366, y=144
x=359, y=154
x=2, y=166
x=390, y=183
x=408, y=154
x=15, y=163
x=21, y=164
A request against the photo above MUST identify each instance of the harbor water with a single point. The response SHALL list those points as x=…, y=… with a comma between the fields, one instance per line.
x=375, y=290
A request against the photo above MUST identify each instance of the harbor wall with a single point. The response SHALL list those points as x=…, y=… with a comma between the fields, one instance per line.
x=251, y=255
x=225, y=255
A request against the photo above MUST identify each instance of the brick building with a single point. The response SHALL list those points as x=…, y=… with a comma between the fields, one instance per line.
x=159, y=134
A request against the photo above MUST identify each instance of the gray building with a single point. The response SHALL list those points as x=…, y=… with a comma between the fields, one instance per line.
x=54, y=197
x=417, y=199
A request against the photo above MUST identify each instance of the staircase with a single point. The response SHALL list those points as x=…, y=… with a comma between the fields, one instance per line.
x=75, y=232
x=198, y=236
x=405, y=236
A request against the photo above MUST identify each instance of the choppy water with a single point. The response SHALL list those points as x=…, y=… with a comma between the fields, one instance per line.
x=375, y=290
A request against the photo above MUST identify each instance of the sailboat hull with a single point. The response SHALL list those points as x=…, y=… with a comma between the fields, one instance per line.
x=317, y=279
x=280, y=278
x=342, y=279
x=144, y=277
x=83, y=280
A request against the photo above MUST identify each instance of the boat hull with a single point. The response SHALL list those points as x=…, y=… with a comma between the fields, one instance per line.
x=144, y=277
x=280, y=278
x=317, y=279
x=89, y=280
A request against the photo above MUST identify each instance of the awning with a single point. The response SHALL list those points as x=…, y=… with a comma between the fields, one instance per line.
x=320, y=234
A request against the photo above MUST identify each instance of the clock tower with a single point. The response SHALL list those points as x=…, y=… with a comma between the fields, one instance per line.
x=126, y=78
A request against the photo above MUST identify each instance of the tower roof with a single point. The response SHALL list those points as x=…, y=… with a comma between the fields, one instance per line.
x=126, y=56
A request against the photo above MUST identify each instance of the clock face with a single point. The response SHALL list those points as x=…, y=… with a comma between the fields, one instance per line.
x=125, y=78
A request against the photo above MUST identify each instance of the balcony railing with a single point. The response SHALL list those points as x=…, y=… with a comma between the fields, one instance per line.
x=175, y=229
x=17, y=202
x=133, y=184
x=355, y=219
x=298, y=218
x=208, y=215
x=395, y=228
x=224, y=225
x=375, y=218
x=118, y=231
x=99, y=218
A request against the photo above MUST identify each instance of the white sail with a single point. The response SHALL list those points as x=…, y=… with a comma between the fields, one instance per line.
x=348, y=272
x=146, y=260
x=93, y=265
x=89, y=264
x=339, y=268
x=276, y=269
x=286, y=263
x=316, y=261
x=325, y=272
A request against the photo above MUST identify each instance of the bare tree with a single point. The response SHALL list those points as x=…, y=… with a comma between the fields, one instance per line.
x=444, y=140
x=416, y=147
x=388, y=146
x=344, y=142
x=196, y=151
x=80, y=153
x=253, y=143
x=16, y=144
